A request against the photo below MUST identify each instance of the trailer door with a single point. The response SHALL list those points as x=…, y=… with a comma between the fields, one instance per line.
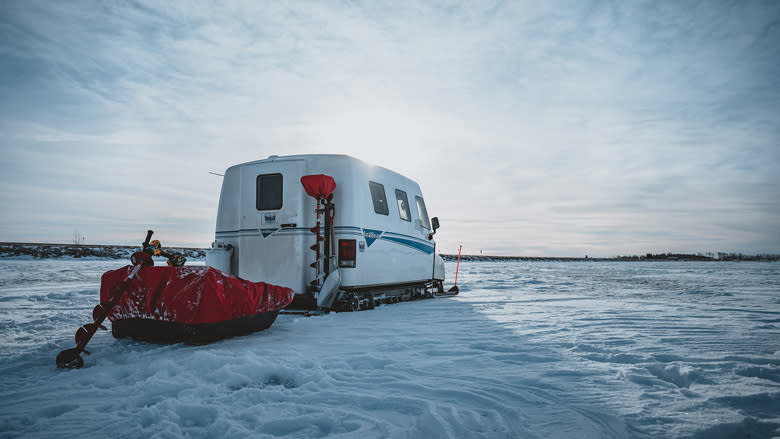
x=271, y=247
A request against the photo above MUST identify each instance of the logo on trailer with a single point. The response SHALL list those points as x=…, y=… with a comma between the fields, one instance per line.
x=266, y=232
x=371, y=235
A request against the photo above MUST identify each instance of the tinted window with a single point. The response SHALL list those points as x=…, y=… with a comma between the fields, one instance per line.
x=379, y=198
x=403, y=205
x=269, y=192
x=423, y=213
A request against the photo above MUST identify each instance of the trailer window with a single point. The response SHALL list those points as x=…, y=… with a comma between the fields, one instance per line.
x=269, y=192
x=403, y=205
x=379, y=198
x=423, y=213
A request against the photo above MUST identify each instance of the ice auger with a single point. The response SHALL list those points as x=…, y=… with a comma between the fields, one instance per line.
x=321, y=187
x=71, y=358
x=328, y=277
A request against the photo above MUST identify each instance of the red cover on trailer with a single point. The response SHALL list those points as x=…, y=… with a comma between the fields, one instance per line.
x=190, y=295
x=318, y=185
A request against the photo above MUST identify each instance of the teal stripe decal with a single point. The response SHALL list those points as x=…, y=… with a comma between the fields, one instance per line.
x=425, y=248
x=405, y=240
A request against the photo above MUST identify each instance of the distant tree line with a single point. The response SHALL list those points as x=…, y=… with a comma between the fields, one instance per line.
x=719, y=256
x=44, y=251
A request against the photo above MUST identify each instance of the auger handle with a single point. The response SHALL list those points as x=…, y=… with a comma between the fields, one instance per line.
x=148, y=238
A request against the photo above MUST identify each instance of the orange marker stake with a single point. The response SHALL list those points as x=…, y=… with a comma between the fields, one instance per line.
x=457, y=267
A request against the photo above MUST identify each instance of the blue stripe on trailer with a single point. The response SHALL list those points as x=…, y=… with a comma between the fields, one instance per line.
x=405, y=240
x=425, y=248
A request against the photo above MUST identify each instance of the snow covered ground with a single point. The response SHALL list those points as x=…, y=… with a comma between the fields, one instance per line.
x=529, y=349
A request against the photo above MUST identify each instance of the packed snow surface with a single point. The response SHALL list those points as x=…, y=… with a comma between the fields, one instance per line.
x=528, y=349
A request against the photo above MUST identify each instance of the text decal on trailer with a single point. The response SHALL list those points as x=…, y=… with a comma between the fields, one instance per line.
x=371, y=235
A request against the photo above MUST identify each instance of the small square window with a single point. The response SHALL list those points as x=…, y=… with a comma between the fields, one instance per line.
x=379, y=198
x=403, y=205
x=269, y=192
x=423, y=213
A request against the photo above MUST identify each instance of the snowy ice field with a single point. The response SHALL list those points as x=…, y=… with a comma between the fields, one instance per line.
x=529, y=349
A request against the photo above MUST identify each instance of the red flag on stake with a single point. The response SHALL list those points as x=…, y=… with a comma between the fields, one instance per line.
x=455, y=289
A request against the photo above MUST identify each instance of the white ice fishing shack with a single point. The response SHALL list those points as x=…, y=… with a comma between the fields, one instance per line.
x=341, y=233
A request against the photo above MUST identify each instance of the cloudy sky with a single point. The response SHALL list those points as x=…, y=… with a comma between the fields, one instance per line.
x=533, y=128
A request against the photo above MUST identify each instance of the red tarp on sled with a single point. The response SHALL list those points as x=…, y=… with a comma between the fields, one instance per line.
x=190, y=295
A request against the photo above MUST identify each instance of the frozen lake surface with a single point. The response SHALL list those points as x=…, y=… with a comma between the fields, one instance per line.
x=529, y=349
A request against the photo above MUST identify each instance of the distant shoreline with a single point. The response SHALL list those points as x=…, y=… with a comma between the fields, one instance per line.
x=48, y=250
x=673, y=257
x=77, y=251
